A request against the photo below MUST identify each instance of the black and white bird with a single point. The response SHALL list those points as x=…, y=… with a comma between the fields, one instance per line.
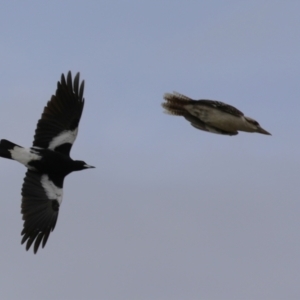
x=211, y=116
x=48, y=161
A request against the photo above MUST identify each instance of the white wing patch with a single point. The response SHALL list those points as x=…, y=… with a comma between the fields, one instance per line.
x=52, y=191
x=66, y=136
x=23, y=155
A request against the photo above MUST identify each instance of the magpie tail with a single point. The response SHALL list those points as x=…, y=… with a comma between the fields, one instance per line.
x=5, y=146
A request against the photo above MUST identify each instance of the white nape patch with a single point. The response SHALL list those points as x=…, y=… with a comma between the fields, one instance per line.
x=66, y=136
x=52, y=191
x=24, y=155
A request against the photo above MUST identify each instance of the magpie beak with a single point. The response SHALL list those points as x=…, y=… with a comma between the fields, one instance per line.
x=88, y=166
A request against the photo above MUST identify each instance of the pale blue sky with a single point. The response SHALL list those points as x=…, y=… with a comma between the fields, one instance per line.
x=170, y=212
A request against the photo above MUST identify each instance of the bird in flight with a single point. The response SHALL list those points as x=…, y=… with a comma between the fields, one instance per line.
x=211, y=116
x=48, y=161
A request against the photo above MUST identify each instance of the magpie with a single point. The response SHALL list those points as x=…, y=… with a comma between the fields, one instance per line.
x=48, y=161
x=209, y=115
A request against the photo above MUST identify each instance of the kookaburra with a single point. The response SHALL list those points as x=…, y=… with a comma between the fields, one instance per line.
x=211, y=116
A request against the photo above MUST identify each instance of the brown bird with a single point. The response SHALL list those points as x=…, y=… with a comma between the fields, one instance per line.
x=211, y=116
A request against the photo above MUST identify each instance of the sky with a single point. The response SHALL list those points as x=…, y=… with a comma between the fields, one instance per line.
x=170, y=212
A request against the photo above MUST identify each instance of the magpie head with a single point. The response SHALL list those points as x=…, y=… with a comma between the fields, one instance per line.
x=81, y=165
